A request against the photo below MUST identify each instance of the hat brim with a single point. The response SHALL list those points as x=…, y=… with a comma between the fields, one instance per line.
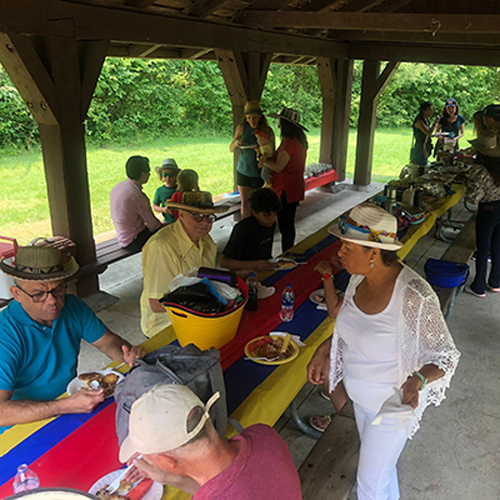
x=127, y=450
x=297, y=124
x=175, y=205
x=70, y=269
x=365, y=243
x=484, y=150
x=167, y=167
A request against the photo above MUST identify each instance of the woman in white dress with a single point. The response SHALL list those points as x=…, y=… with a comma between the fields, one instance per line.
x=389, y=333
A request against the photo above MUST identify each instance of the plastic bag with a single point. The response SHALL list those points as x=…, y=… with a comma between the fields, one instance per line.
x=195, y=297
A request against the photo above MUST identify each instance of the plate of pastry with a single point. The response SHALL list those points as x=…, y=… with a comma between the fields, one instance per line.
x=154, y=492
x=99, y=379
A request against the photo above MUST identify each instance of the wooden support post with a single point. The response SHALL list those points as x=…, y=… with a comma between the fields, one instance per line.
x=57, y=79
x=372, y=85
x=245, y=76
x=335, y=78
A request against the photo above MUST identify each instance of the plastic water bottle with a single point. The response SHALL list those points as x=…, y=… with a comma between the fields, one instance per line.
x=25, y=479
x=287, y=303
x=252, y=302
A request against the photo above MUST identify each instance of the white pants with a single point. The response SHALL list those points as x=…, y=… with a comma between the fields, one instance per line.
x=381, y=446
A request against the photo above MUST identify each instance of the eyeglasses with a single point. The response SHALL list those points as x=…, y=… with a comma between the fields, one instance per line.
x=371, y=233
x=201, y=217
x=56, y=292
x=166, y=174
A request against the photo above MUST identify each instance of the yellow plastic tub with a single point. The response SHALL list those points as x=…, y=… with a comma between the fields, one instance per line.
x=206, y=330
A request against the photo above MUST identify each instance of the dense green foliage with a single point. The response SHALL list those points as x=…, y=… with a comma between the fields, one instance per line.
x=138, y=99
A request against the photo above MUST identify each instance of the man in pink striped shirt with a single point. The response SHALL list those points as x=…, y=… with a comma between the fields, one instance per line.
x=131, y=211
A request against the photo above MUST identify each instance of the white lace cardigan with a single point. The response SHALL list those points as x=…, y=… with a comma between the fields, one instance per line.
x=424, y=339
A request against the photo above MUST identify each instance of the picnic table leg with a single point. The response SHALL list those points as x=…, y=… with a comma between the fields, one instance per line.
x=303, y=426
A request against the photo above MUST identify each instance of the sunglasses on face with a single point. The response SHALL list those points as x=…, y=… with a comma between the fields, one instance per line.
x=202, y=217
x=166, y=174
x=372, y=234
x=56, y=292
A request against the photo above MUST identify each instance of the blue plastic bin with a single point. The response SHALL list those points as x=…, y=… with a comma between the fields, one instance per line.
x=445, y=273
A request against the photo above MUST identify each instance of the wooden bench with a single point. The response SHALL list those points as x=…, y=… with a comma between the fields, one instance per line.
x=460, y=250
x=329, y=471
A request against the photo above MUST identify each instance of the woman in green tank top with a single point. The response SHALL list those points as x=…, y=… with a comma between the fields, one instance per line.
x=248, y=172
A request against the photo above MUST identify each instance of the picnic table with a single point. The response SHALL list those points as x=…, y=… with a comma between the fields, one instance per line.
x=76, y=450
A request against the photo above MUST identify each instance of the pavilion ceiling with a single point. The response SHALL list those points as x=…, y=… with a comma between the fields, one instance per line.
x=295, y=31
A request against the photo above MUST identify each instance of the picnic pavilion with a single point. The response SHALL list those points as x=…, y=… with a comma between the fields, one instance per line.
x=53, y=51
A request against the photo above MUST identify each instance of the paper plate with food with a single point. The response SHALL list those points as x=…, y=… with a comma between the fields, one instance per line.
x=93, y=381
x=147, y=489
x=283, y=264
x=277, y=348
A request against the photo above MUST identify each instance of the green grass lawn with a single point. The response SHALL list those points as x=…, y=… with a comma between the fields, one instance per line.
x=23, y=199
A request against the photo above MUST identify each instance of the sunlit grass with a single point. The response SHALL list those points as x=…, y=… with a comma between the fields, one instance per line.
x=23, y=198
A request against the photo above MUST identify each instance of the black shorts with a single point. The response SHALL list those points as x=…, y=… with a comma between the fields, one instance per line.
x=245, y=181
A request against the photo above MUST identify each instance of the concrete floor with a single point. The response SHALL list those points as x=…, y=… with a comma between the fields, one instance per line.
x=456, y=453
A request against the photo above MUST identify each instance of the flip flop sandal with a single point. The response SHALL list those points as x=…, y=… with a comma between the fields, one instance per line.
x=320, y=422
x=324, y=395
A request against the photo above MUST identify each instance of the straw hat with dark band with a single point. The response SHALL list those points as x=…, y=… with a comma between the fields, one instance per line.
x=168, y=164
x=197, y=201
x=38, y=264
x=291, y=116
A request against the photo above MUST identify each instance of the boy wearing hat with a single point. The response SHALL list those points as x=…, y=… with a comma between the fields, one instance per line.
x=177, y=248
x=171, y=428
x=131, y=212
x=40, y=334
x=168, y=174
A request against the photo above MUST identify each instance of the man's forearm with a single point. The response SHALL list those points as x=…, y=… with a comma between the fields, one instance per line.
x=25, y=411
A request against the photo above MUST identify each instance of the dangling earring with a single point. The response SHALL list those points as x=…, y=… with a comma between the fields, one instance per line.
x=372, y=264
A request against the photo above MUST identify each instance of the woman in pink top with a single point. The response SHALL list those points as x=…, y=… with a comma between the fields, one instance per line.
x=288, y=165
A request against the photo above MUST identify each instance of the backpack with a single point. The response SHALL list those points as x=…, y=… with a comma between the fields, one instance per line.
x=199, y=370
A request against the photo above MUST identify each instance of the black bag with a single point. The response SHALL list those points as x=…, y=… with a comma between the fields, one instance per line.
x=199, y=370
x=195, y=297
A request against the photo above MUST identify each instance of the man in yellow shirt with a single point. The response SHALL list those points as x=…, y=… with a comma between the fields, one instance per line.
x=175, y=249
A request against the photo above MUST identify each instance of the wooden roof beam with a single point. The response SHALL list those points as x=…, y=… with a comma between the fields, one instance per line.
x=425, y=53
x=432, y=23
x=93, y=22
x=359, y=5
x=140, y=4
x=319, y=5
x=203, y=8
x=391, y=5
x=143, y=50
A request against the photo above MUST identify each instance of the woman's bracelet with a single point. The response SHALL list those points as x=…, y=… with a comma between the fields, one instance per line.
x=422, y=378
x=326, y=277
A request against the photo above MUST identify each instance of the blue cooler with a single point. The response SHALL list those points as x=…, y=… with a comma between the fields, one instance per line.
x=445, y=273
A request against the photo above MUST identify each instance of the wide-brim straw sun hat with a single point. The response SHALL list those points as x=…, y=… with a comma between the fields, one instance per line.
x=252, y=107
x=290, y=115
x=38, y=264
x=197, y=201
x=368, y=225
x=168, y=164
x=487, y=143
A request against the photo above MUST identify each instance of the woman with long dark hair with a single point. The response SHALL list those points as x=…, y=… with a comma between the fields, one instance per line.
x=484, y=189
x=453, y=123
x=288, y=165
x=248, y=175
x=422, y=132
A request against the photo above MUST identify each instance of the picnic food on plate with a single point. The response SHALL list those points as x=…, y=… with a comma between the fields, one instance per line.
x=270, y=347
x=107, y=382
x=125, y=491
x=285, y=264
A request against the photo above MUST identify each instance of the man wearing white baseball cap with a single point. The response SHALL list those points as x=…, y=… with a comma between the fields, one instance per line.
x=171, y=428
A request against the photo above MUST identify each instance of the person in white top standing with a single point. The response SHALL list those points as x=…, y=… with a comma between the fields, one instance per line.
x=389, y=333
x=131, y=211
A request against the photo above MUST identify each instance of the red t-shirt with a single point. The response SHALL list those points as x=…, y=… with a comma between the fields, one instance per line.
x=291, y=178
x=262, y=470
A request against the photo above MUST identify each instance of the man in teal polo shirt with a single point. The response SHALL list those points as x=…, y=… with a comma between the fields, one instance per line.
x=40, y=335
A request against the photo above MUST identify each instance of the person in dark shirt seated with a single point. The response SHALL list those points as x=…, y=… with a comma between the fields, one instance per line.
x=250, y=245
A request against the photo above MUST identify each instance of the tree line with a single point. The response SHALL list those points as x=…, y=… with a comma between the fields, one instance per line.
x=139, y=99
